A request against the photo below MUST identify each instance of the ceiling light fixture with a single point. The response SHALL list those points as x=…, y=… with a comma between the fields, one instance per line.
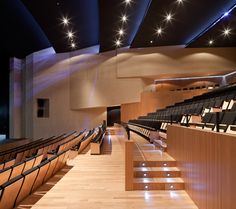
x=211, y=42
x=168, y=17
x=226, y=32
x=124, y=18
x=159, y=31
x=118, y=42
x=179, y=1
x=73, y=45
x=70, y=34
x=128, y=2
x=65, y=21
x=121, y=32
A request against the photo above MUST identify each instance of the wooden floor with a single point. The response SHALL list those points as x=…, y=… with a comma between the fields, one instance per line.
x=97, y=182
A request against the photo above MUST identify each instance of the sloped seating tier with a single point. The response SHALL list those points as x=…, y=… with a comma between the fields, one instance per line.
x=215, y=110
x=23, y=178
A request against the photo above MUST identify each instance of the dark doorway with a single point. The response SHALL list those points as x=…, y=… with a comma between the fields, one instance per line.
x=113, y=115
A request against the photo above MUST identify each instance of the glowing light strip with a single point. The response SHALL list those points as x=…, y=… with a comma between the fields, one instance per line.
x=212, y=25
x=195, y=78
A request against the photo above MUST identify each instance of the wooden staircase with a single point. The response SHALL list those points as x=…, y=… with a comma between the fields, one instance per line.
x=157, y=175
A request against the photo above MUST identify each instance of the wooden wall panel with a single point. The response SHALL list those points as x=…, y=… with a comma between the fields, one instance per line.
x=130, y=111
x=207, y=162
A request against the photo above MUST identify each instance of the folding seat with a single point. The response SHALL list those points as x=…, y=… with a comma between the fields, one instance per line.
x=19, y=156
x=59, y=162
x=5, y=175
x=29, y=179
x=2, y=165
x=38, y=160
x=43, y=168
x=211, y=125
x=9, y=163
x=10, y=191
x=17, y=169
x=53, y=161
x=228, y=119
x=28, y=164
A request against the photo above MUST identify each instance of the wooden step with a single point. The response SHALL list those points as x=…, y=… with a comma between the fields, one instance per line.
x=168, y=172
x=167, y=163
x=158, y=184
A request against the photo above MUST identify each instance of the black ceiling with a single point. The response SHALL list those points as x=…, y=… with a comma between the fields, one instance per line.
x=31, y=25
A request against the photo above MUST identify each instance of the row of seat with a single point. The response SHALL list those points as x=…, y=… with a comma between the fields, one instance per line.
x=199, y=111
x=14, y=191
x=19, y=168
x=21, y=179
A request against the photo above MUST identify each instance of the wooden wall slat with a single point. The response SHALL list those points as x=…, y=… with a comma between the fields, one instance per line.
x=207, y=163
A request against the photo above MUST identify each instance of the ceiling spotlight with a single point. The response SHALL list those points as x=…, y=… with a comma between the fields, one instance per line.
x=179, y=1
x=211, y=42
x=118, y=42
x=121, y=32
x=226, y=32
x=168, y=17
x=65, y=21
x=124, y=18
x=159, y=31
x=73, y=45
x=70, y=34
x=128, y=2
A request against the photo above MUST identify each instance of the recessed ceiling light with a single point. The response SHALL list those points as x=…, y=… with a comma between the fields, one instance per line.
x=159, y=31
x=73, y=45
x=70, y=34
x=179, y=1
x=226, y=32
x=211, y=42
x=128, y=1
x=168, y=17
x=124, y=18
x=65, y=20
x=118, y=42
x=121, y=32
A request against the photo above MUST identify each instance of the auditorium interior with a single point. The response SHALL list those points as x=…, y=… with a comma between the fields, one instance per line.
x=118, y=104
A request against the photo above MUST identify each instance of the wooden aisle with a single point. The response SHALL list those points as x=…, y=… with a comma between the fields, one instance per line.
x=97, y=182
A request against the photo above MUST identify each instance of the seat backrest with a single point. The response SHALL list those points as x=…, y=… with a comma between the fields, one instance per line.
x=28, y=164
x=43, y=168
x=2, y=166
x=38, y=159
x=10, y=191
x=52, y=165
x=5, y=175
x=17, y=170
x=9, y=163
x=29, y=179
